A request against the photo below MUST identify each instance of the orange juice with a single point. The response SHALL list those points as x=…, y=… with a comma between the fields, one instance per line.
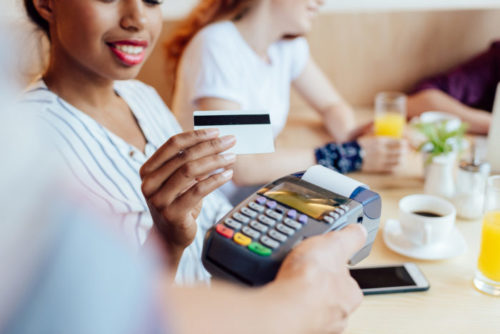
x=489, y=256
x=390, y=125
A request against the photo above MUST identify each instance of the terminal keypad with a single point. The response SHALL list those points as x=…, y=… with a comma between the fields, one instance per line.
x=263, y=224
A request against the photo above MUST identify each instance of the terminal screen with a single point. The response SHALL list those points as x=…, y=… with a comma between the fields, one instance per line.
x=301, y=199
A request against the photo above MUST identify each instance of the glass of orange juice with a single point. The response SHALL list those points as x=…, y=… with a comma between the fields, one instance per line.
x=390, y=114
x=487, y=277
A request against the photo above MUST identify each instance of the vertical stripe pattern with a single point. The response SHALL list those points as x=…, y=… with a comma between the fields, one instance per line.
x=107, y=167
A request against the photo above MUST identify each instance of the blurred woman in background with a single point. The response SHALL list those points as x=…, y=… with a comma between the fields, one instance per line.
x=247, y=54
x=467, y=90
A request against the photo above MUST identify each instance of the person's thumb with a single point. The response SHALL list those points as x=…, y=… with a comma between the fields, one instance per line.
x=348, y=240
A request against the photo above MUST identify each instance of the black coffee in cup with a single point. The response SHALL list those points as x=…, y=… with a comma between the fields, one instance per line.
x=427, y=214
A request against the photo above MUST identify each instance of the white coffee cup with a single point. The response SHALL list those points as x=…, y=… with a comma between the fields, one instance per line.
x=417, y=224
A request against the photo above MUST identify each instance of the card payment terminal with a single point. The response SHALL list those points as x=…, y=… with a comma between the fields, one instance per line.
x=249, y=244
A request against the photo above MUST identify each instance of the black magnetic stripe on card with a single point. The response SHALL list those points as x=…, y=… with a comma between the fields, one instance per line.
x=231, y=120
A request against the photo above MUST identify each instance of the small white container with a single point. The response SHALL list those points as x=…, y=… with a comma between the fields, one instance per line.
x=439, y=178
x=470, y=189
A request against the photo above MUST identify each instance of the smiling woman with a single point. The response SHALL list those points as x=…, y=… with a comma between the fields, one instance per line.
x=111, y=130
x=82, y=35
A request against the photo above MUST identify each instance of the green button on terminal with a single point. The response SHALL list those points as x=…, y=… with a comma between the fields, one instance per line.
x=259, y=249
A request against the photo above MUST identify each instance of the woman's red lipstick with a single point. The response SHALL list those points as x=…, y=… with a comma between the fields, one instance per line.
x=129, y=52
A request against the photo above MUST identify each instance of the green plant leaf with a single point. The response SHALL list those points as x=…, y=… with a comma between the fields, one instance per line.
x=440, y=138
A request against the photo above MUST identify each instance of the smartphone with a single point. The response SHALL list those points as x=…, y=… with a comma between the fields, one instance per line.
x=405, y=277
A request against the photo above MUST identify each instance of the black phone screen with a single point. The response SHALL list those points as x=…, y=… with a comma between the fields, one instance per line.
x=383, y=277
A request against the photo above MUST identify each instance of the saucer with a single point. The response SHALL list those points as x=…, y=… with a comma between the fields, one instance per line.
x=396, y=241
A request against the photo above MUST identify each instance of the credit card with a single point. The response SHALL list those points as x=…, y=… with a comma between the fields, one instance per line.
x=252, y=129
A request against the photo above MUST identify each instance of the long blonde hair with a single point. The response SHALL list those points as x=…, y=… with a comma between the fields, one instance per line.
x=206, y=12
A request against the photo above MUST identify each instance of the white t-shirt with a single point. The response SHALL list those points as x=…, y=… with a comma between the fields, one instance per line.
x=107, y=167
x=219, y=63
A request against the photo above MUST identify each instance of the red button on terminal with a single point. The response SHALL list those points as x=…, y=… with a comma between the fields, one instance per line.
x=224, y=231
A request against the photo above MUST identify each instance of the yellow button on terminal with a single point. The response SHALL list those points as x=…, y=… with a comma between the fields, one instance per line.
x=242, y=239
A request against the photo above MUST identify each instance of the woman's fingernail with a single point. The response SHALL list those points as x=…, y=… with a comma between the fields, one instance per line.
x=227, y=174
x=212, y=132
x=228, y=140
x=229, y=157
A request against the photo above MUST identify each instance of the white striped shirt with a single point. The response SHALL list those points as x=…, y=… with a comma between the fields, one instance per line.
x=107, y=167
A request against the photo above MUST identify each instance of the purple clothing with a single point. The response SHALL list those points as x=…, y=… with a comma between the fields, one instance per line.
x=472, y=83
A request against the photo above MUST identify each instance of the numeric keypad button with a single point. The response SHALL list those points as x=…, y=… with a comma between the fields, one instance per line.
x=239, y=217
x=266, y=241
x=250, y=232
x=335, y=215
x=329, y=220
x=249, y=212
x=232, y=223
x=274, y=214
x=285, y=229
x=266, y=220
x=256, y=207
x=292, y=223
x=258, y=226
x=277, y=236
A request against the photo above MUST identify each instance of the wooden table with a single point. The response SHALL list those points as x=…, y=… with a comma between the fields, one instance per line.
x=452, y=305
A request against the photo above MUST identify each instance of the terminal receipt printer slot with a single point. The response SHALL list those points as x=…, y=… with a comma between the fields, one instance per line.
x=249, y=244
